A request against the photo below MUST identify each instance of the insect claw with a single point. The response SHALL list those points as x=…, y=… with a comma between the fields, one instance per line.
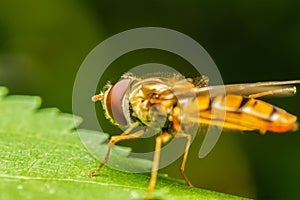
x=90, y=175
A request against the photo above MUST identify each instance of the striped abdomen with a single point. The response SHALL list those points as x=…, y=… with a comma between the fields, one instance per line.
x=243, y=113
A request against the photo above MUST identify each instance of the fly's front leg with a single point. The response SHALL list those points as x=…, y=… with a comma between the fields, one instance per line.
x=113, y=140
x=187, y=147
x=163, y=138
x=127, y=131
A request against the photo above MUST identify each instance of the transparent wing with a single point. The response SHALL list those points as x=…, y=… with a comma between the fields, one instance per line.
x=254, y=90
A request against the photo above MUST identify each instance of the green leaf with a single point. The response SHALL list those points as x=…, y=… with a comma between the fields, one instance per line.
x=42, y=157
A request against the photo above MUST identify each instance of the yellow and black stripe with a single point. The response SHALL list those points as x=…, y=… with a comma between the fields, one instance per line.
x=243, y=113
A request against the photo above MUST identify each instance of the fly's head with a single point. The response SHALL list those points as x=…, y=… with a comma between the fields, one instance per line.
x=147, y=101
x=114, y=102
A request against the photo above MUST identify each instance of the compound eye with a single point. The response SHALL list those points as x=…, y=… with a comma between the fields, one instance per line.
x=114, y=101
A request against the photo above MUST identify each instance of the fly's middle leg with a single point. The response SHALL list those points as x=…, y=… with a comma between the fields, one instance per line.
x=163, y=138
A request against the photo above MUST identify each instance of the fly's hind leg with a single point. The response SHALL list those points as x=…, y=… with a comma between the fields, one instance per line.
x=187, y=147
x=277, y=92
x=115, y=139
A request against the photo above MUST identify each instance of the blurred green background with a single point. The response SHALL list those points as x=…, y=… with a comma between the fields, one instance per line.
x=43, y=43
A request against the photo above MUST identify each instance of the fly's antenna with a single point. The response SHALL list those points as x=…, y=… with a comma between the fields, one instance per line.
x=97, y=97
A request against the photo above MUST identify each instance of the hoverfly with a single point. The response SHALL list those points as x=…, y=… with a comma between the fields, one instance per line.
x=134, y=101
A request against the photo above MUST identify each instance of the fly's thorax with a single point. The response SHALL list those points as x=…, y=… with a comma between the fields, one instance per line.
x=151, y=102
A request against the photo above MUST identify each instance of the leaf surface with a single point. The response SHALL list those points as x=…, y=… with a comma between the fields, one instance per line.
x=42, y=157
